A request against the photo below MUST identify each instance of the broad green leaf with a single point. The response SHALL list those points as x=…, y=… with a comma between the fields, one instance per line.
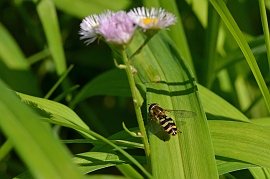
x=177, y=33
x=226, y=165
x=241, y=141
x=261, y=121
x=217, y=108
x=34, y=143
x=113, y=82
x=47, y=14
x=57, y=113
x=169, y=82
x=55, y=110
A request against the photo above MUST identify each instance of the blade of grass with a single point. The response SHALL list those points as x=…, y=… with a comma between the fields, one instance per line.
x=14, y=67
x=129, y=171
x=210, y=47
x=265, y=28
x=58, y=82
x=9, y=49
x=5, y=149
x=47, y=13
x=226, y=16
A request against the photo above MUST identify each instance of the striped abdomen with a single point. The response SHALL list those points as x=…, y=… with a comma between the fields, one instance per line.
x=168, y=124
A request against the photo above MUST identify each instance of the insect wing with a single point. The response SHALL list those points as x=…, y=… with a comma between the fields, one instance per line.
x=182, y=113
x=154, y=126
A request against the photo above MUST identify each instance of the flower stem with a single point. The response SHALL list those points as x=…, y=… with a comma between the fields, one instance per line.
x=138, y=100
x=140, y=48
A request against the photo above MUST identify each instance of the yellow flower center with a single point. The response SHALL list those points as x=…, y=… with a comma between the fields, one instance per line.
x=148, y=21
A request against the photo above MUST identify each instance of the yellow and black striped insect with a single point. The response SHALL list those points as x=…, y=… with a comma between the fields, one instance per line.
x=166, y=122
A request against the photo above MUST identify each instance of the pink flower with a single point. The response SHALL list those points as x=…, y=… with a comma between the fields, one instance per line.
x=117, y=29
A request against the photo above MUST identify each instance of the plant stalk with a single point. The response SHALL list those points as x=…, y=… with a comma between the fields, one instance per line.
x=137, y=99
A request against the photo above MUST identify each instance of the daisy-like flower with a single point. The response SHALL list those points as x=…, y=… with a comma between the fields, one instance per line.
x=117, y=29
x=90, y=24
x=153, y=19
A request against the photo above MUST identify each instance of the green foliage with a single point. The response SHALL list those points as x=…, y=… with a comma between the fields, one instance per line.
x=213, y=62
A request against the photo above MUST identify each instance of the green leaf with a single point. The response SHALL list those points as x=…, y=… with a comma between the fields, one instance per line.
x=257, y=46
x=226, y=16
x=47, y=14
x=14, y=67
x=55, y=110
x=105, y=177
x=177, y=32
x=113, y=82
x=217, y=108
x=241, y=141
x=226, y=165
x=210, y=53
x=262, y=121
x=129, y=171
x=57, y=113
x=82, y=8
x=91, y=161
x=9, y=49
x=121, y=139
x=32, y=140
x=169, y=82
x=260, y=173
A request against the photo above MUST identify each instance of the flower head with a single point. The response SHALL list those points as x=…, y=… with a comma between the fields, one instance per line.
x=153, y=19
x=90, y=24
x=117, y=29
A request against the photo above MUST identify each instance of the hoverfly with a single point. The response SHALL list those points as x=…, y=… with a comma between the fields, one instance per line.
x=166, y=122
